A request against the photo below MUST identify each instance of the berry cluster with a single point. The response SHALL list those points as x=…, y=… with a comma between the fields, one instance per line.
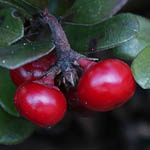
x=103, y=86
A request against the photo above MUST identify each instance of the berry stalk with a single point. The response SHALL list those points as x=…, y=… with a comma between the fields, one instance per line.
x=66, y=57
x=58, y=34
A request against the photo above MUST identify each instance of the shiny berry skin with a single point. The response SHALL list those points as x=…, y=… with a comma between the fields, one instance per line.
x=107, y=85
x=40, y=104
x=32, y=71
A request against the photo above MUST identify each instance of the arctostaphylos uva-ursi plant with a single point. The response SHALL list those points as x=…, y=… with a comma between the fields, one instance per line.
x=50, y=62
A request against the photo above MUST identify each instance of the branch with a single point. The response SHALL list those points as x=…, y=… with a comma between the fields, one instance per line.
x=58, y=33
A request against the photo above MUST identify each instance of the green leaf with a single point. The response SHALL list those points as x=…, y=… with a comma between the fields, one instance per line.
x=23, y=7
x=14, y=130
x=37, y=3
x=141, y=68
x=11, y=29
x=130, y=49
x=12, y=57
x=58, y=7
x=144, y=28
x=106, y=35
x=93, y=11
x=7, y=91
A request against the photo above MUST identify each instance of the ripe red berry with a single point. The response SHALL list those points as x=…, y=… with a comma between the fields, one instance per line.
x=40, y=104
x=106, y=85
x=32, y=71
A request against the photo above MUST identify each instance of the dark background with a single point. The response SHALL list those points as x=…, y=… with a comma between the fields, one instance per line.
x=127, y=128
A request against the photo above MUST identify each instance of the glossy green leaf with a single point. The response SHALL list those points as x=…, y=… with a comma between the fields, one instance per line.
x=38, y=3
x=11, y=29
x=14, y=130
x=58, y=7
x=23, y=7
x=92, y=11
x=17, y=55
x=144, y=28
x=130, y=49
x=7, y=91
x=106, y=35
x=141, y=68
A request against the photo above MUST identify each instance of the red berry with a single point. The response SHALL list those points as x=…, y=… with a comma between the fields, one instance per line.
x=106, y=85
x=40, y=104
x=32, y=71
x=85, y=63
x=75, y=104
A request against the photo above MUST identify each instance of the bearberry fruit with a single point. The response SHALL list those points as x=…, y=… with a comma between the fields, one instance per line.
x=75, y=104
x=106, y=85
x=85, y=64
x=32, y=71
x=42, y=105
